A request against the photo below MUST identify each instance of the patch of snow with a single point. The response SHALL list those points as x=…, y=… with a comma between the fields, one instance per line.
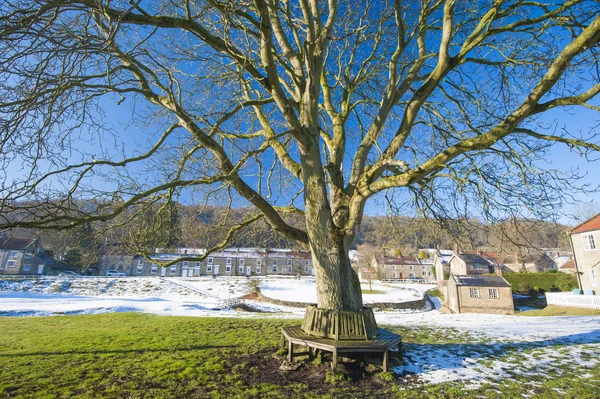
x=305, y=291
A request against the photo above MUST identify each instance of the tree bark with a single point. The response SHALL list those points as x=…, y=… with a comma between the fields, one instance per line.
x=338, y=286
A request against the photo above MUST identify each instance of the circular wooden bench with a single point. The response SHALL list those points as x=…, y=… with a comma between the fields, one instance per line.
x=382, y=342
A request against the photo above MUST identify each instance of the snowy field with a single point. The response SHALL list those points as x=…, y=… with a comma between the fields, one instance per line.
x=487, y=348
x=305, y=291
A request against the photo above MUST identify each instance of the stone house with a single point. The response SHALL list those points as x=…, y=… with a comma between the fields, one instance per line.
x=462, y=264
x=397, y=267
x=471, y=288
x=585, y=240
x=228, y=262
x=478, y=294
x=21, y=256
x=441, y=263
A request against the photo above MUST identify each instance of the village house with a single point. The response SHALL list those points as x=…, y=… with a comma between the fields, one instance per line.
x=471, y=289
x=441, y=263
x=478, y=294
x=21, y=256
x=228, y=262
x=585, y=240
x=399, y=268
x=462, y=264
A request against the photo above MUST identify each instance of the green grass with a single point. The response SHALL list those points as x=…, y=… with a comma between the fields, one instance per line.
x=435, y=293
x=561, y=311
x=373, y=292
x=145, y=356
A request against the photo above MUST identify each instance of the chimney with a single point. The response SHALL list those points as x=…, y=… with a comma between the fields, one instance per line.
x=457, y=250
x=498, y=269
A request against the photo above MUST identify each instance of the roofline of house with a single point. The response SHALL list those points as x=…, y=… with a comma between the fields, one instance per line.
x=582, y=223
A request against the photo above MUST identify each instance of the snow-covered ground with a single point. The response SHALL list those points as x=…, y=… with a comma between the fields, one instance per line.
x=497, y=347
x=305, y=291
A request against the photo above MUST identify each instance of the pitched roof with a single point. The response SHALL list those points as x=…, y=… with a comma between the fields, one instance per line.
x=396, y=260
x=570, y=264
x=481, y=281
x=473, y=258
x=492, y=257
x=15, y=244
x=588, y=225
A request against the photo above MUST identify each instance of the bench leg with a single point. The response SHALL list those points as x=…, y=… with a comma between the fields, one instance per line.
x=282, y=342
x=400, y=354
x=290, y=351
x=385, y=361
x=334, y=360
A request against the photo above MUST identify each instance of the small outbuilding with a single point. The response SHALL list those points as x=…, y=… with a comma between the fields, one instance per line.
x=478, y=294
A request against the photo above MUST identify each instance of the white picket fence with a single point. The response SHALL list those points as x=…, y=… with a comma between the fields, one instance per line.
x=570, y=299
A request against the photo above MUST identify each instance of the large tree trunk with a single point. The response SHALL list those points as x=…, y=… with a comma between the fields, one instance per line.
x=338, y=286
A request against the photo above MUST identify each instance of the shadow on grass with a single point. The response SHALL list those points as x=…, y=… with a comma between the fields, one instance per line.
x=118, y=351
x=490, y=361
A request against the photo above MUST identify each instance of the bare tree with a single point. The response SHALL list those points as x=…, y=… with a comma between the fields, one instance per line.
x=301, y=107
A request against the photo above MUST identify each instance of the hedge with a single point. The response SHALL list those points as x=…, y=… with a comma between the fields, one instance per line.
x=548, y=281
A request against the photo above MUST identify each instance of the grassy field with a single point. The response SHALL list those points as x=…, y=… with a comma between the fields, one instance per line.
x=145, y=356
x=561, y=311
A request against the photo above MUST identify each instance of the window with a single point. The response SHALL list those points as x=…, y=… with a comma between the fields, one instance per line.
x=154, y=269
x=197, y=264
x=474, y=292
x=274, y=269
x=140, y=262
x=11, y=263
x=289, y=261
x=494, y=293
x=274, y=261
x=27, y=256
x=593, y=280
x=589, y=244
x=257, y=269
x=393, y=267
x=140, y=269
x=185, y=264
x=173, y=269
x=240, y=269
x=209, y=268
x=411, y=274
x=209, y=261
x=394, y=275
x=26, y=268
x=290, y=268
x=259, y=263
x=241, y=262
x=306, y=269
x=412, y=267
x=306, y=263
x=229, y=261
x=228, y=268
x=12, y=254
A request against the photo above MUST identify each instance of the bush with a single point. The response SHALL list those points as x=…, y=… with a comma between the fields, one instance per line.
x=541, y=282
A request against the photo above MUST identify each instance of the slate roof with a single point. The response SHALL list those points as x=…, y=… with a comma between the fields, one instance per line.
x=481, y=281
x=588, y=225
x=15, y=244
x=474, y=258
x=396, y=260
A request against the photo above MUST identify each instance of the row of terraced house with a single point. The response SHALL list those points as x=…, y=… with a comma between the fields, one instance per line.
x=229, y=262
